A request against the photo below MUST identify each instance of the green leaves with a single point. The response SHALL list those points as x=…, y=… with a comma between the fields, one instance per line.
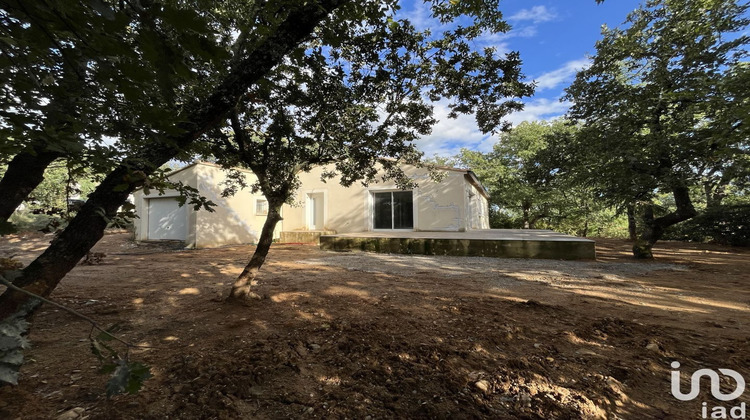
x=99, y=346
x=12, y=344
x=661, y=112
x=525, y=192
x=103, y=9
x=657, y=93
x=126, y=376
x=360, y=93
x=13, y=330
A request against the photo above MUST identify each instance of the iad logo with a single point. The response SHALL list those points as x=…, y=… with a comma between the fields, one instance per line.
x=719, y=412
x=695, y=384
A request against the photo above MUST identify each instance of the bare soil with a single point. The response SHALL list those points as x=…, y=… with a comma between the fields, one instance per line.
x=351, y=335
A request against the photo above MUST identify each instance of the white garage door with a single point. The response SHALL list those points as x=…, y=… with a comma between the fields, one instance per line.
x=166, y=219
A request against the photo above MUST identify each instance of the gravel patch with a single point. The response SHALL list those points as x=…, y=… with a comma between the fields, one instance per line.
x=493, y=268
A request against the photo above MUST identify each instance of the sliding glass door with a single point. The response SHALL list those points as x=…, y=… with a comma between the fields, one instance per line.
x=393, y=210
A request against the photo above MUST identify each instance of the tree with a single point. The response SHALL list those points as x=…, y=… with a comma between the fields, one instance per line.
x=75, y=72
x=38, y=68
x=189, y=64
x=662, y=111
x=63, y=186
x=359, y=105
x=267, y=32
x=521, y=194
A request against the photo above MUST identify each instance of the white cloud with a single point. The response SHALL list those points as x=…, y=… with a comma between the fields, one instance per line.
x=449, y=136
x=420, y=15
x=498, y=39
x=540, y=109
x=536, y=14
x=559, y=76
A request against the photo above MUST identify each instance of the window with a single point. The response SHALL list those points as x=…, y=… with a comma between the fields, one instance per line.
x=393, y=210
x=261, y=207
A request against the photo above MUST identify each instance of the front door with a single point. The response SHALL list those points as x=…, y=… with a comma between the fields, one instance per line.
x=393, y=210
x=315, y=211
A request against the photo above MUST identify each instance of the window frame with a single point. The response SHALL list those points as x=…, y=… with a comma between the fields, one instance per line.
x=264, y=202
x=391, y=192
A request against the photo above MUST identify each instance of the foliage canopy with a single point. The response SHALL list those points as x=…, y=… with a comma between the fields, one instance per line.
x=662, y=108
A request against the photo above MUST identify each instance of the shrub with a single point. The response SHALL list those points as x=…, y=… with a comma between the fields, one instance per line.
x=728, y=225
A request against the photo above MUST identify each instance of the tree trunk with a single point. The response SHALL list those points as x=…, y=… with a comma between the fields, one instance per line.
x=586, y=213
x=25, y=172
x=242, y=287
x=585, y=232
x=87, y=227
x=632, y=227
x=72, y=244
x=642, y=248
x=526, y=224
x=714, y=195
x=653, y=229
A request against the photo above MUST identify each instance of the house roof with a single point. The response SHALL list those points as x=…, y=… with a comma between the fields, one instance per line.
x=473, y=180
x=202, y=162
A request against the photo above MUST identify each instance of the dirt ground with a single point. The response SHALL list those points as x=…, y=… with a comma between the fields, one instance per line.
x=369, y=336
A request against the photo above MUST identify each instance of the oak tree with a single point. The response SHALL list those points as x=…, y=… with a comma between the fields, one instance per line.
x=663, y=109
x=358, y=104
x=183, y=93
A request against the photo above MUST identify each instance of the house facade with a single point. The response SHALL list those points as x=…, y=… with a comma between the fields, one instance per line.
x=235, y=219
x=457, y=202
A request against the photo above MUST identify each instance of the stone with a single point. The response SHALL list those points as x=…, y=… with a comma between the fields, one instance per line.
x=72, y=414
x=483, y=386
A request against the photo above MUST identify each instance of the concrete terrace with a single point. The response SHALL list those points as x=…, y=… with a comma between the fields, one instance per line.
x=500, y=243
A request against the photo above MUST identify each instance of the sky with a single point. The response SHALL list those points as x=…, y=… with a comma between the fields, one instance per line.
x=555, y=39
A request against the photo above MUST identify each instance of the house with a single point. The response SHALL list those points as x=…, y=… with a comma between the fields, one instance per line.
x=456, y=203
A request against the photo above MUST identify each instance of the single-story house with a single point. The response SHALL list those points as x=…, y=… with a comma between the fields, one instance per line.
x=456, y=203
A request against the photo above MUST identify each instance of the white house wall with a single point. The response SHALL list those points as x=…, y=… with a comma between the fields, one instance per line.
x=441, y=203
x=344, y=207
x=439, y=206
x=451, y=204
x=234, y=219
x=477, y=215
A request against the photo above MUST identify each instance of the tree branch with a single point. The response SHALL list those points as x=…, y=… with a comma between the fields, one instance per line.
x=93, y=323
x=239, y=132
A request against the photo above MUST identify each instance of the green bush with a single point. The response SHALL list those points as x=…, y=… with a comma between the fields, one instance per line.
x=502, y=220
x=728, y=225
x=26, y=221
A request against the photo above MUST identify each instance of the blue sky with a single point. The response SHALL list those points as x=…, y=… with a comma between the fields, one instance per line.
x=554, y=39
